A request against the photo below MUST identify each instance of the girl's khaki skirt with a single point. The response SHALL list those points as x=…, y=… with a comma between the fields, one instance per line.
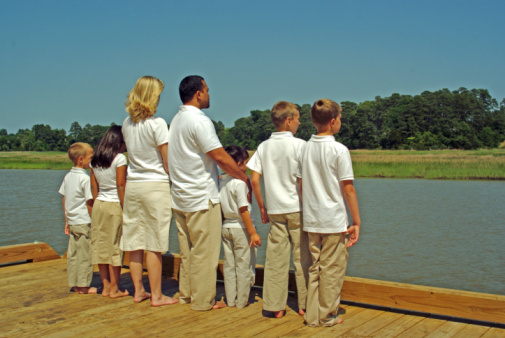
x=106, y=230
x=146, y=216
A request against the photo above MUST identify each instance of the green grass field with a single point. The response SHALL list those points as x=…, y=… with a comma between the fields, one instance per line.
x=436, y=164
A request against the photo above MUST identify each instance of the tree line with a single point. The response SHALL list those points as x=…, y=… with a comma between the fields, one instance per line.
x=444, y=119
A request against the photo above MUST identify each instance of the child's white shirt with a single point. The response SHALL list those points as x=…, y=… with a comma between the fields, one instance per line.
x=76, y=188
x=325, y=163
x=142, y=140
x=277, y=160
x=106, y=179
x=233, y=195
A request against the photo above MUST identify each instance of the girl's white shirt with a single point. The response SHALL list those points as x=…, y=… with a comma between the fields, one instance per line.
x=106, y=179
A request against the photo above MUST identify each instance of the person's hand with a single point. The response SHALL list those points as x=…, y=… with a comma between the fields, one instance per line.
x=255, y=240
x=264, y=216
x=354, y=232
x=67, y=230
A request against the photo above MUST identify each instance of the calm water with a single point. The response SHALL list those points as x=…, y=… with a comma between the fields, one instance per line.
x=440, y=233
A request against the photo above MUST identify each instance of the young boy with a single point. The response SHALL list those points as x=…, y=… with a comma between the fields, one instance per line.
x=277, y=160
x=77, y=204
x=327, y=181
x=239, y=234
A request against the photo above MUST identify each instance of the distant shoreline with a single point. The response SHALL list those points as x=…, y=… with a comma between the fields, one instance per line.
x=484, y=164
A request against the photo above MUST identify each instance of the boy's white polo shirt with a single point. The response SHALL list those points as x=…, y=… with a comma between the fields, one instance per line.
x=76, y=188
x=106, y=179
x=233, y=195
x=325, y=163
x=142, y=140
x=277, y=160
x=193, y=173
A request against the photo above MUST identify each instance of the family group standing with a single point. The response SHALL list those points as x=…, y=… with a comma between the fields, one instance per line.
x=307, y=186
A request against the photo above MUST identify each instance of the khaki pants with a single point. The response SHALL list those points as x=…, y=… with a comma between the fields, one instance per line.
x=199, y=236
x=326, y=276
x=79, y=267
x=285, y=232
x=238, y=266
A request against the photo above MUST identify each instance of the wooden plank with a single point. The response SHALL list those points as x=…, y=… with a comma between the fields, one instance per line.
x=448, y=329
x=398, y=326
x=494, y=332
x=463, y=304
x=34, y=252
x=369, y=328
x=472, y=331
x=422, y=328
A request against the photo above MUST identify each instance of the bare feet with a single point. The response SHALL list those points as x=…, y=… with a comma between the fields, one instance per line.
x=106, y=292
x=86, y=290
x=118, y=293
x=301, y=312
x=164, y=301
x=278, y=314
x=219, y=305
x=142, y=297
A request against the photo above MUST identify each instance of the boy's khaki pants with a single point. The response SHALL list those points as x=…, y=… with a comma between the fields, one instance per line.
x=285, y=233
x=199, y=236
x=326, y=277
x=79, y=267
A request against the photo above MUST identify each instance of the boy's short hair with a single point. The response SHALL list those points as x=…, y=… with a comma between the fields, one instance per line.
x=143, y=99
x=238, y=154
x=78, y=149
x=323, y=111
x=281, y=111
x=189, y=86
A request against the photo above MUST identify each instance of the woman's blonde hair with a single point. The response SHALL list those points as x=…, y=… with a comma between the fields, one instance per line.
x=143, y=99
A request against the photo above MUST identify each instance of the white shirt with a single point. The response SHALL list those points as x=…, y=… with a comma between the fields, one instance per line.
x=277, y=160
x=325, y=163
x=233, y=195
x=142, y=140
x=76, y=188
x=193, y=173
x=106, y=179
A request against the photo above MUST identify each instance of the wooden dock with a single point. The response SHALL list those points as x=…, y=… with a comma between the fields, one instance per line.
x=36, y=301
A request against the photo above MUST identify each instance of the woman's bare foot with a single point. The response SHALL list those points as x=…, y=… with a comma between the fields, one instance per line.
x=142, y=297
x=278, y=314
x=87, y=290
x=118, y=293
x=219, y=305
x=164, y=301
x=301, y=312
x=106, y=292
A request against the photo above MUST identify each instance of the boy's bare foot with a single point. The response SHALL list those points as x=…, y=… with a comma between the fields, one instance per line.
x=301, y=312
x=278, y=314
x=142, y=297
x=118, y=294
x=164, y=301
x=219, y=305
x=88, y=290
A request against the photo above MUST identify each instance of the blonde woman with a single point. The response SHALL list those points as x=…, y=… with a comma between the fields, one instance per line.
x=147, y=206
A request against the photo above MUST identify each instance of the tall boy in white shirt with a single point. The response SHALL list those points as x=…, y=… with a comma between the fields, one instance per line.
x=77, y=205
x=277, y=160
x=327, y=181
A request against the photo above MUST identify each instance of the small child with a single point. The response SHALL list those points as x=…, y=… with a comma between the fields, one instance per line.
x=277, y=160
x=108, y=181
x=327, y=180
x=77, y=205
x=239, y=235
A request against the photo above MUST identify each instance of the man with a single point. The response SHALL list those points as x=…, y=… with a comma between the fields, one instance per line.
x=194, y=152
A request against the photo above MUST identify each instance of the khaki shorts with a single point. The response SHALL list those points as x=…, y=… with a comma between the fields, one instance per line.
x=106, y=231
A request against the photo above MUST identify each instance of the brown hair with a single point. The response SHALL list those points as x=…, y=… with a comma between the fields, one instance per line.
x=323, y=111
x=78, y=149
x=281, y=111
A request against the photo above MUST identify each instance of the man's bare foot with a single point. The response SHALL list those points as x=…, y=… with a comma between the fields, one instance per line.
x=142, y=297
x=219, y=305
x=118, y=293
x=164, y=301
x=301, y=312
x=278, y=314
x=87, y=290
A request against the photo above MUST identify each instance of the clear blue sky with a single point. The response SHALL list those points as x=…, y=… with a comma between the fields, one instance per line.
x=66, y=61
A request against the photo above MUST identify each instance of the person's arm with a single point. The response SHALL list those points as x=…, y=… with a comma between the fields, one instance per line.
x=67, y=230
x=229, y=166
x=299, y=179
x=121, y=183
x=94, y=184
x=352, y=202
x=164, y=155
x=89, y=205
x=246, y=218
x=256, y=186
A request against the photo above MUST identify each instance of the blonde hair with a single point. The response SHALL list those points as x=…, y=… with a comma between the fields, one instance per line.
x=323, y=111
x=78, y=149
x=281, y=111
x=143, y=99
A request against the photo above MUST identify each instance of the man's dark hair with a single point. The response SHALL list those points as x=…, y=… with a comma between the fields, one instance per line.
x=238, y=154
x=189, y=86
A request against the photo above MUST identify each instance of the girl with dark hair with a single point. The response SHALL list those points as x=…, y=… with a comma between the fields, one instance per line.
x=108, y=181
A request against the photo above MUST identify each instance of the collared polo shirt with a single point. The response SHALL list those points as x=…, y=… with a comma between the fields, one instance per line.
x=76, y=188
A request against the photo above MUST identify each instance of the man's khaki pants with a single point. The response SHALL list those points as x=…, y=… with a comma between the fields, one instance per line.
x=199, y=236
x=79, y=267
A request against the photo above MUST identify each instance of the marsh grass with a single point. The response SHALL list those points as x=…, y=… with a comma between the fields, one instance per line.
x=487, y=164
